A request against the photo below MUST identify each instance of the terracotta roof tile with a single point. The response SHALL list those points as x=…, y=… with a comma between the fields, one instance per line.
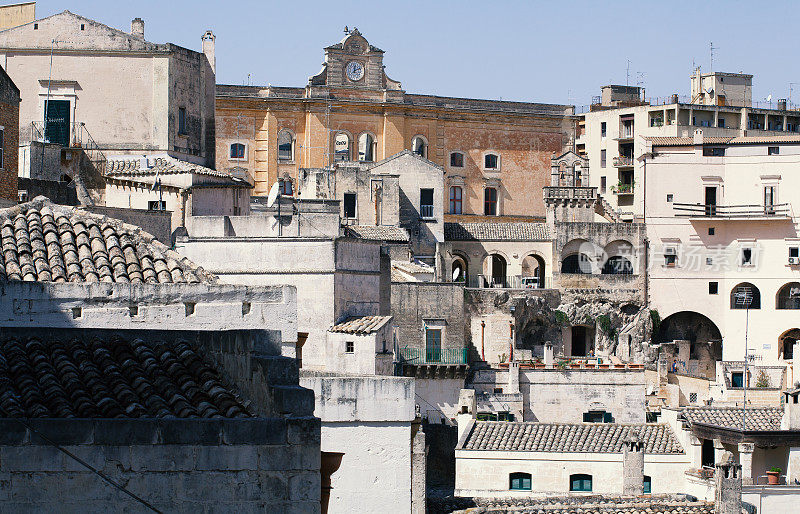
x=487, y=231
x=361, y=325
x=110, y=378
x=378, y=233
x=44, y=242
x=163, y=165
x=563, y=437
x=757, y=418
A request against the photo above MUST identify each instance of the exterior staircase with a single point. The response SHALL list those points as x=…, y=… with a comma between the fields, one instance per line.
x=604, y=209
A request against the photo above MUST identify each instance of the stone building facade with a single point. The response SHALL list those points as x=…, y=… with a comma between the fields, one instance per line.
x=495, y=154
x=9, y=137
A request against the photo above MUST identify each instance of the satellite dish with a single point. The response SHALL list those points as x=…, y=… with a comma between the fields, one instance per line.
x=273, y=195
x=456, y=273
x=769, y=98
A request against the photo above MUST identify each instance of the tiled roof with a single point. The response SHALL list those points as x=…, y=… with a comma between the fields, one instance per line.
x=757, y=418
x=412, y=267
x=110, y=378
x=44, y=242
x=361, y=325
x=378, y=233
x=594, y=504
x=744, y=140
x=562, y=437
x=516, y=231
x=128, y=167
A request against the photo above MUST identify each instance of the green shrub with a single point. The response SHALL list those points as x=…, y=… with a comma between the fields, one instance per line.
x=763, y=380
x=561, y=317
x=655, y=317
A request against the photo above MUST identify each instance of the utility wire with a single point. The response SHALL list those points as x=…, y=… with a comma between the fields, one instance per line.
x=87, y=465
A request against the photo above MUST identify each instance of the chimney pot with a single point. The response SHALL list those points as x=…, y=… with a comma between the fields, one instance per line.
x=137, y=27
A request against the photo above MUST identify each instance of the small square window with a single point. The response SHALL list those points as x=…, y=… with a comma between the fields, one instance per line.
x=349, y=347
x=157, y=205
x=603, y=129
x=670, y=257
x=713, y=288
x=773, y=150
x=709, y=261
x=794, y=251
x=692, y=397
x=35, y=26
x=670, y=197
x=747, y=257
x=498, y=390
x=83, y=27
x=737, y=379
x=710, y=231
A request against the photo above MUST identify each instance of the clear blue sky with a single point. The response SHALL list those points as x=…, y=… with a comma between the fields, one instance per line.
x=560, y=52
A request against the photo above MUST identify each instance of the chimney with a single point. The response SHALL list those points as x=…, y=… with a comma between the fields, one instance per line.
x=782, y=104
x=513, y=378
x=137, y=28
x=698, y=137
x=548, y=354
x=633, y=464
x=467, y=405
x=728, y=482
x=209, y=49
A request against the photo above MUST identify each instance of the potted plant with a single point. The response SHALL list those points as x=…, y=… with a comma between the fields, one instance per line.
x=774, y=475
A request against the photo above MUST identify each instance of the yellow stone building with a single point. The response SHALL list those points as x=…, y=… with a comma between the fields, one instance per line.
x=496, y=154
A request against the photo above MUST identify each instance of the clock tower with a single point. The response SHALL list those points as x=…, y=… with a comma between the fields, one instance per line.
x=353, y=62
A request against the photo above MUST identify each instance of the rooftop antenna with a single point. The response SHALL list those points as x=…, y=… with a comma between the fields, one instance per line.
x=791, y=87
x=744, y=296
x=628, y=73
x=711, y=47
x=346, y=30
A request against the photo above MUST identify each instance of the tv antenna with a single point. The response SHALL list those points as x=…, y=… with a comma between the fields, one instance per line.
x=628, y=73
x=791, y=87
x=711, y=48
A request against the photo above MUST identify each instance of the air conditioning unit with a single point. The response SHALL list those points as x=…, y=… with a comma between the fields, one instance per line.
x=794, y=260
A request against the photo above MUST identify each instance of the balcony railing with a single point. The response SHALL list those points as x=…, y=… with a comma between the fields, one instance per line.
x=73, y=134
x=622, y=189
x=419, y=356
x=426, y=211
x=698, y=210
x=570, y=193
x=623, y=161
x=509, y=282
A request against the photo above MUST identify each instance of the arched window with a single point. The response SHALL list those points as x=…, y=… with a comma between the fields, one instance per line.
x=744, y=294
x=576, y=264
x=341, y=147
x=789, y=296
x=786, y=343
x=490, y=201
x=366, y=147
x=648, y=484
x=455, y=199
x=491, y=161
x=617, y=265
x=286, y=187
x=237, y=151
x=285, y=146
x=519, y=481
x=419, y=146
x=580, y=483
x=456, y=160
x=459, y=270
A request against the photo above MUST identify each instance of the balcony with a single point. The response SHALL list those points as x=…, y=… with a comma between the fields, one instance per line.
x=622, y=189
x=570, y=193
x=426, y=212
x=622, y=162
x=697, y=210
x=433, y=356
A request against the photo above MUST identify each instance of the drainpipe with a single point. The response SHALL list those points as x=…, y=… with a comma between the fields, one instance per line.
x=483, y=328
x=511, y=341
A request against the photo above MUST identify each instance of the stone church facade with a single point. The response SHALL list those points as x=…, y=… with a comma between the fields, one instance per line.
x=495, y=154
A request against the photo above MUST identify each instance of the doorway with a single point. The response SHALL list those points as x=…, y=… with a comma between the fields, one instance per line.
x=581, y=346
x=711, y=200
x=498, y=264
x=56, y=129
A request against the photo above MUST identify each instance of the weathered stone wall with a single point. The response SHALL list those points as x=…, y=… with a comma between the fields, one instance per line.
x=415, y=302
x=177, y=465
x=9, y=118
x=156, y=223
x=61, y=193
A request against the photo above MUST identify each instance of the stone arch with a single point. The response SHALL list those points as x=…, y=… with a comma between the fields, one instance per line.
x=787, y=342
x=577, y=257
x=533, y=265
x=704, y=342
x=419, y=145
x=286, y=144
x=342, y=146
x=495, y=270
x=367, y=146
x=460, y=268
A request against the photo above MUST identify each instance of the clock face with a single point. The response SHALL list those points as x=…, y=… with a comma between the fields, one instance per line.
x=355, y=71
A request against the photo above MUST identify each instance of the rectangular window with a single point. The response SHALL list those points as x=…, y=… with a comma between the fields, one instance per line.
x=711, y=200
x=157, y=205
x=603, y=129
x=286, y=188
x=747, y=257
x=648, y=483
x=713, y=151
x=426, y=203
x=490, y=201
x=794, y=251
x=602, y=184
x=456, y=160
x=580, y=483
x=181, y=120
x=520, y=481
x=602, y=158
x=737, y=379
x=670, y=197
x=721, y=122
x=349, y=347
x=349, y=205
x=773, y=150
x=769, y=199
x=433, y=344
x=713, y=288
x=670, y=257
x=711, y=231
x=455, y=199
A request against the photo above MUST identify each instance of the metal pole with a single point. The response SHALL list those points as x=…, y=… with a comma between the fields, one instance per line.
x=46, y=103
x=744, y=382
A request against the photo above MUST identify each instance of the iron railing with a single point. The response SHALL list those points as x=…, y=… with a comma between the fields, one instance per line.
x=622, y=161
x=426, y=211
x=695, y=210
x=417, y=356
x=73, y=134
x=622, y=189
x=508, y=282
